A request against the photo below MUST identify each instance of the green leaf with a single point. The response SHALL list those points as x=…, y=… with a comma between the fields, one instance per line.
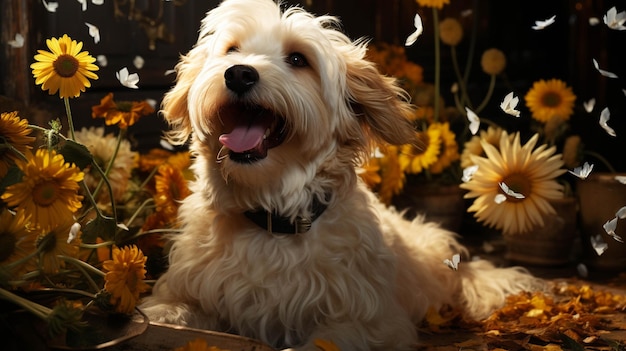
x=103, y=227
x=76, y=153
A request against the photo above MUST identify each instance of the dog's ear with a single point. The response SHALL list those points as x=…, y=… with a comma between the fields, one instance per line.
x=382, y=106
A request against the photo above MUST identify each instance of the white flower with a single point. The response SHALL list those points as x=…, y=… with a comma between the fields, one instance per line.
x=127, y=80
x=603, y=72
x=589, y=105
x=539, y=25
x=474, y=121
x=615, y=20
x=73, y=232
x=582, y=172
x=18, y=42
x=138, y=62
x=509, y=104
x=102, y=60
x=50, y=6
x=454, y=263
x=419, y=28
x=598, y=244
x=94, y=32
x=604, y=118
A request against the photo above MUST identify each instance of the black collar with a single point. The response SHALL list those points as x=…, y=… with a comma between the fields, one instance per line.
x=276, y=224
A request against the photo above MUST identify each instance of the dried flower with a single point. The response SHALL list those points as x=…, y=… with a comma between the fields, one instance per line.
x=493, y=61
x=450, y=31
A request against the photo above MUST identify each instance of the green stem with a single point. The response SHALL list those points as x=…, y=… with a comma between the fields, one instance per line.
x=33, y=307
x=70, y=122
x=464, y=101
x=483, y=104
x=472, y=46
x=104, y=178
x=120, y=137
x=97, y=246
x=437, y=63
x=139, y=209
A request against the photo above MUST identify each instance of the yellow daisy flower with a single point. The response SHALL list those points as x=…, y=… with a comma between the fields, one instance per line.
x=416, y=158
x=433, y=3
x=171, y=188
x=449, y=149
x=65, y=68
x=549, y=99
x=13, y=137
x=525, y=170
x=48, y=192
x=17, y=241
x=55, y=242
x=474, y=146
x=122, y=113
x=125, y=276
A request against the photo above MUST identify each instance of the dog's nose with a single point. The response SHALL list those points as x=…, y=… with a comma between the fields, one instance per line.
x=240, y=78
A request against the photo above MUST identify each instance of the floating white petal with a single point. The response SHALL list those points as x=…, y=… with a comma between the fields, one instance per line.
x=621, y=179
x=84, y=4
x=509, y=104
x=454, y=263
x=589, y=105
x=594, y=21
x=468, y=173
x=138, y=62
x=127, y=80
x=583, y=171
x=510, y=192
x=603, y=72
x=539, y=25
x=102, y=60
x=74, y=230
x=50, y=6
x=604, y=118
x=500, y=198
x=615, y=20
x=419, y=28
x=94, y=32
x=474, y=121
x=18, y=42
x=598, y=244
x=166, y=145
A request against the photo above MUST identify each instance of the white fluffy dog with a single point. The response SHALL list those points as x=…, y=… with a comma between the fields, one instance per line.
x=281, y=240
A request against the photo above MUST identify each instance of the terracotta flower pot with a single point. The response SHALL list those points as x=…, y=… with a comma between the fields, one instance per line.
x=551, y=244
x=600, y=196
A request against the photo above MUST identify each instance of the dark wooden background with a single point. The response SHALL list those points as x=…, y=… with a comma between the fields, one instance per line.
x=564, y=50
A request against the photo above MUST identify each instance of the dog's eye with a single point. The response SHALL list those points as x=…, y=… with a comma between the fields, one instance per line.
x=296, y=59
x=232, y=49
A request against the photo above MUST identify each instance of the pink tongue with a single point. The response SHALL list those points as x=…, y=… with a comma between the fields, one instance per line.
x=243, y=138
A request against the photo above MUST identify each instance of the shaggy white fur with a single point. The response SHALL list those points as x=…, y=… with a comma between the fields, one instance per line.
x=281, y=107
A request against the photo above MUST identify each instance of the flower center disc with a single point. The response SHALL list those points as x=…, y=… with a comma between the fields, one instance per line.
x=44, y=194
x=551, y=99
x=66, y=65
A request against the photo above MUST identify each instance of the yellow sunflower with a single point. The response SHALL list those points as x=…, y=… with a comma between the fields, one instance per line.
x=416, y=158
x=449, y=149
x=433, y=3
x=17, y=241
x=14, y=139
x=549, y=99
x=474, y=147
x=48, y=192
x=125, y=276
x=171, y=188
x=65, y=68
x=525, y=170
x=122, y=113
x=57, y=242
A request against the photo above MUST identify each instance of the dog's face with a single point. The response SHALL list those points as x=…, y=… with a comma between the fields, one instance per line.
x=271, y=95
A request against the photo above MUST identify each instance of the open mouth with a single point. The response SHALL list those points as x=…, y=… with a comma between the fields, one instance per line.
x=249, y=131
